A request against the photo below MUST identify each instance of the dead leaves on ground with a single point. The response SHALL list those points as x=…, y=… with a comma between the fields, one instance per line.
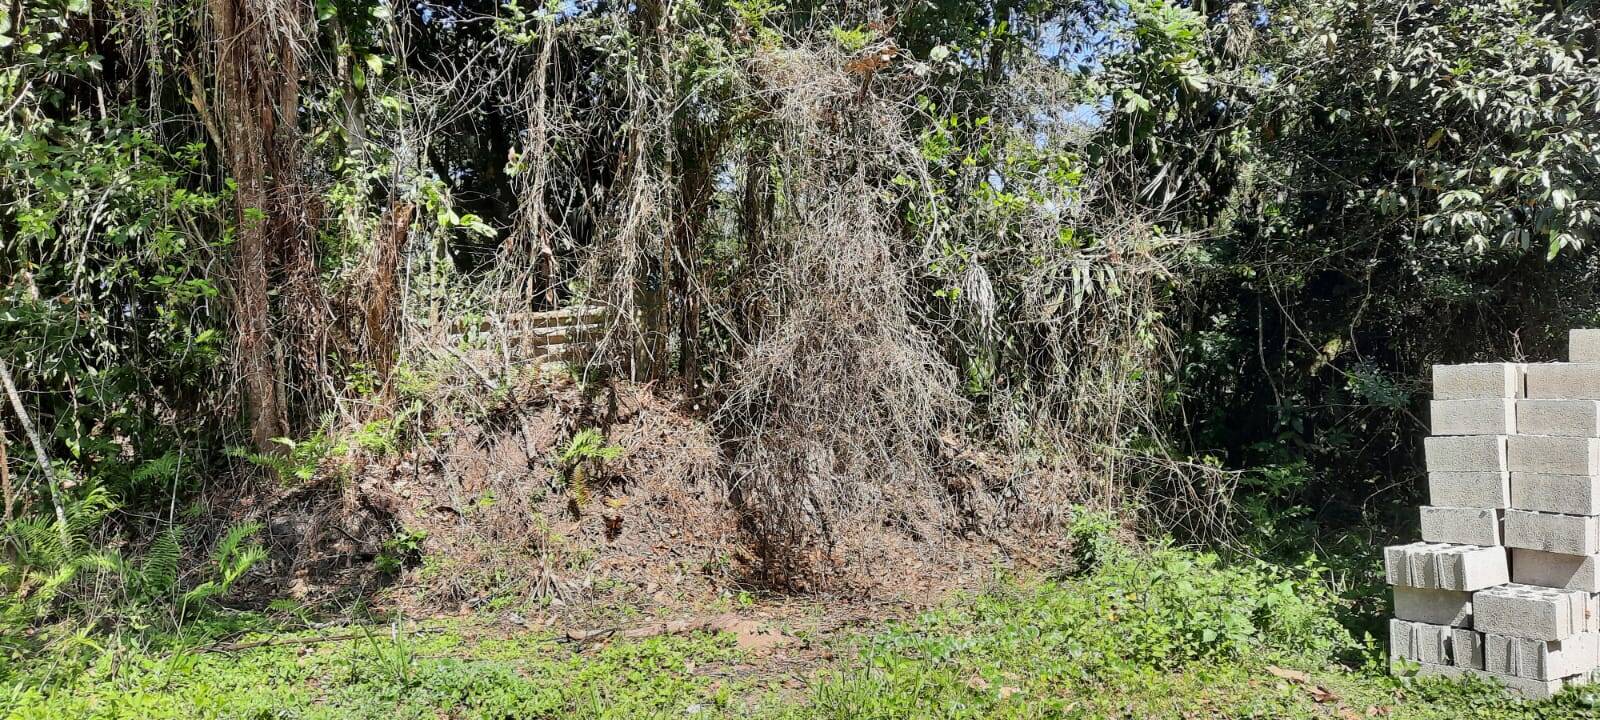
x=1322, y=695
x=750, y=635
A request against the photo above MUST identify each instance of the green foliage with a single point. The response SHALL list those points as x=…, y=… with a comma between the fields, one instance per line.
x=109, y=229
x=401, y=550
x=1311, y=201
x=1167, y=633
x=299, y=461
x=158, y=569
x=1115, y=639
x=230, y=560
x=56, y=596
x=852, y=39
x=1368, y=176
x=585, y=450
x=394, y=674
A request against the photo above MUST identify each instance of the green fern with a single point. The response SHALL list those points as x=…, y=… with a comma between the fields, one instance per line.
x=586, y=446
x=87, y=513
x=158, y=470
x=228, y=545
x=232, y=560
x=299, y=460
x=35, y=541
x=158, y=570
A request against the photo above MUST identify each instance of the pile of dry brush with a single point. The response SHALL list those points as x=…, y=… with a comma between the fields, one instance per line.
x=829, y=377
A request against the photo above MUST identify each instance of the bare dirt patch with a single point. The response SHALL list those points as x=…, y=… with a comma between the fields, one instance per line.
x=475, y=515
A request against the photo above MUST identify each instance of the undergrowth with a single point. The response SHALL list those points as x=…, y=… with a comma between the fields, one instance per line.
x=1166, y=632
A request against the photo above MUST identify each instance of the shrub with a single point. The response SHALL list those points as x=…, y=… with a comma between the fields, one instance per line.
x=1135, y=620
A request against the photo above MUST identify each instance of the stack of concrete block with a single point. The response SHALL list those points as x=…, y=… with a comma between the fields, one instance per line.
x=1504, y=584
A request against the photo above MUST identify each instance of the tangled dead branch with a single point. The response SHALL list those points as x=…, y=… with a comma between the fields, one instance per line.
x=833, y=419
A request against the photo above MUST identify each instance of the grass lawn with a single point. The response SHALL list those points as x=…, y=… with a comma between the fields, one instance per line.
x=1166, y=633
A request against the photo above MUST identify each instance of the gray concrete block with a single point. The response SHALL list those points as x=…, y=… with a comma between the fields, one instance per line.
x=1466, y=648
x=1552, y=455
x=1477, y=381
x=1527, y=611
x=1466, y=453
x=1420, y=642
x=1461, y=525
x=1583, y=346
x=1438, y=566
x=1554, y=570
x=1524, y=687
x=1492, y=416
x=1541, y=659
x=1528, y=688
x=1553, y=532
x=1563, y=381
x=1573, y=418
x=1470, y=489
x=1567, y=494
x=1435, y=607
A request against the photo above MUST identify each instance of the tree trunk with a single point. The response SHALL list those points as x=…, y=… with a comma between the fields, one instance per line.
x=42, y=455
x=694, y=203
x=383, y=288
x=5, y=473
x=247, y=116
x=257, y=83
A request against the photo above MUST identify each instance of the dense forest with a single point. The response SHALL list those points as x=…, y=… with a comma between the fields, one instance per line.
x=865, y=289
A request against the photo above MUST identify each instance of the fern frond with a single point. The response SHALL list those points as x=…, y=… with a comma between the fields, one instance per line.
x=589, y=444
x=199, y=594
x=36, y=541
x=86, y=514
x=241, y=564
x=159, y=468
x=230, y=541
x=109, y=562
x=51, y=587
x=158, y=570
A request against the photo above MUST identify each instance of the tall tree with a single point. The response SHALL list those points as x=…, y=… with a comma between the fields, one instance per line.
x=259, y=46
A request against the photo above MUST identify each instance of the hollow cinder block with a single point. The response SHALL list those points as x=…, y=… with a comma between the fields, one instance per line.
x=1563, y=381
x=1470, y=489
x=1464, y=453
x=1573, y=418
x=1553, y=455
x=1544, y=492
x=1554, y=570
x=1525, y=687
x=1492, y=416
x=1435, y=607
x=1541, y=659
x=1583, y=345
x=1466, y=648
x=1439, y=566
x=1528, y=687
x=1475, y=381
x=1526, y=611
x=1553, y=532
x=1461, y=525
x=1420, y=642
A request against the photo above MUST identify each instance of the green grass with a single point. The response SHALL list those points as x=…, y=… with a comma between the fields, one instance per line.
x=1167, y=633
x=419, y=676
